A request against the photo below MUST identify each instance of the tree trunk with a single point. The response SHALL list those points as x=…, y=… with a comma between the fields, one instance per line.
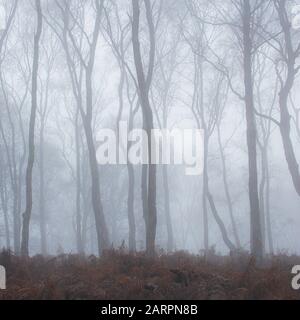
x=79, y=244
x=227, y=192
x=268, y=213
x=144, y=85
x=262, y=196
x=220, y=223
x=130, y=198
x=43, y=228
x=285, y=118
x=130, y=208
x=255, y=228
x=170, y=243
x=101, y=228
x=28, y=209
x=204, y=195
x=4, y=205
x=285, y=129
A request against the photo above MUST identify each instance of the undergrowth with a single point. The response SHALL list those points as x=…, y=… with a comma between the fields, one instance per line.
x=120, y=275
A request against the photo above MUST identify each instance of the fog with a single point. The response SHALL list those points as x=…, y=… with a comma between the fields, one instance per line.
x=71, y=68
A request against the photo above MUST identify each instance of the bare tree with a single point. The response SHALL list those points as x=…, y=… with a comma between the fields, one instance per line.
x=31, y=142
x=245, y=18
x=205, y=113
x=4, y=200
x=71, y=47
x=76, y=172
x=248, y=13
x=262, y=69
x=144, y=80
x=289, y=52
x=10, y=154
x=43, y=112
x=162, y=99
x=229, y=200
x=120, y=46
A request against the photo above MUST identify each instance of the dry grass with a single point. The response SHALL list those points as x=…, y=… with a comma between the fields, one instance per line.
x=119, y=275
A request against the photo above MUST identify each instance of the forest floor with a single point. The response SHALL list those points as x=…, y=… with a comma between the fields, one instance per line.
x=119, y=275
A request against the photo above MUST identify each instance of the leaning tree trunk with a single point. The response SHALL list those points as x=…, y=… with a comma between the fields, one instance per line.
x=208, y=196
x=227, y=191
x=285, y=118
x=220, y=223
x=28, y=209
x=285, y=129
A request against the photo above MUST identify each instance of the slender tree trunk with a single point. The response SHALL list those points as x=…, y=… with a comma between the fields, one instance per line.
x=42, y=209
x=13, y=169
x=11, y=163
x=4, y=205
x=285, y=118
x=285, y=129
x=204, y=194
x=144, y=86
x=13, y=188
x=101, y=228
x=165, y=176
x=16, y=221
x=22, y=164
x=87, y=116
x=78, y=189
x=43, y=228
x=28, y=209
x=6, y=224
x=227, y=192
x=130, y=198
x=130, y=208
x=262, y=196
x=170, y=243
x=208, y=195
x=86, y=203
x=255, y=228
x=130, y=169
x=220, y=223
x=268, y=213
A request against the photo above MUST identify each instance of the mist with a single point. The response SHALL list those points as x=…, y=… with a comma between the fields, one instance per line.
x=69, y=69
